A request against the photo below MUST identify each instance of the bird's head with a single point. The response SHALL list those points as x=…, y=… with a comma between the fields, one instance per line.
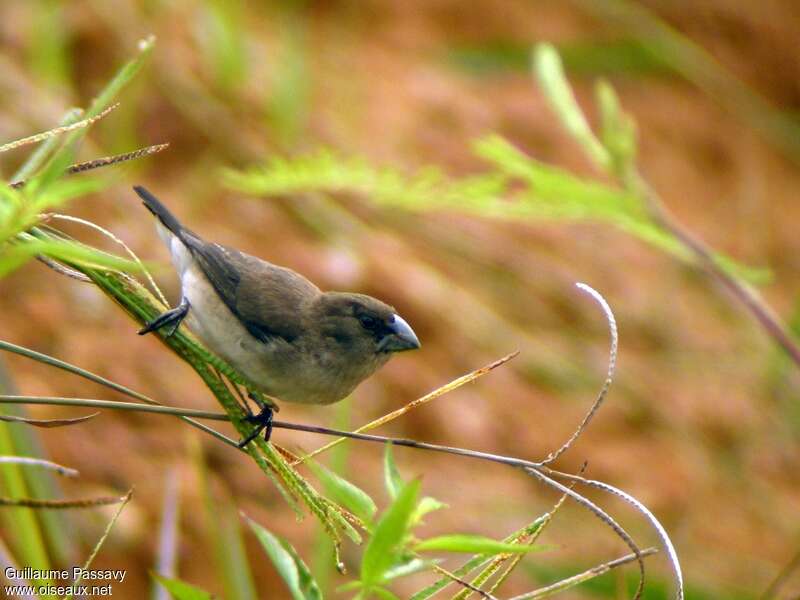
x=360, y=324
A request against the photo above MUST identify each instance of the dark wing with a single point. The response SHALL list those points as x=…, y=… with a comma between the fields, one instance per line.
x=266, y=298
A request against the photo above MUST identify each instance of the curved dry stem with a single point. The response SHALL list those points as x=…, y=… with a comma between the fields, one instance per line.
x=750, y=298
x=62, y=270
x=115, y=239
x=672, y=555
x=612, y=364
x=600, y=514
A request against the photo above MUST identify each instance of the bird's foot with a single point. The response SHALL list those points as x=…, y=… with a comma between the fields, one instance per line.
x=172, y=317
x=263, y=422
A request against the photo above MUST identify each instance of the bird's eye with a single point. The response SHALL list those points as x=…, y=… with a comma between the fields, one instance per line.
x=367, y=322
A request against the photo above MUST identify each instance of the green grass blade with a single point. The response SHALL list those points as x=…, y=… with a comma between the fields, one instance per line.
x=550, y=74
x=391, y=474
x=180, y=590
x=472, y=544
x=288, y=563
x=23, y=523
x=58, y=529
x=382, y=550
x=59, y=162
x=225, y=538
x=478, y=561
x=344, y=492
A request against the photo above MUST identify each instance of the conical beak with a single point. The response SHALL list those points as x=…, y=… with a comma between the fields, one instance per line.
x=402, y=337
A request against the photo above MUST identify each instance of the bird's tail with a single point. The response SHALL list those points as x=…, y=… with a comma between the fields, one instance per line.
x=154, y=205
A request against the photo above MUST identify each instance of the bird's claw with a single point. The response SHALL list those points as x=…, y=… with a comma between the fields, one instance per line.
x=263, y=422
x=172, y=317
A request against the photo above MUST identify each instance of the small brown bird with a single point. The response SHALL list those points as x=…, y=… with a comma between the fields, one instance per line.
x=289, y=338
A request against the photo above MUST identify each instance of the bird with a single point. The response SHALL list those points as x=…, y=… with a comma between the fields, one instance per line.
x=291, y=340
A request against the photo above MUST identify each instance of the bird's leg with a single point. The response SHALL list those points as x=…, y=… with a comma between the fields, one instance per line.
x=242, y=402
x=256, y=398
x=263, y=422
x=172, y=317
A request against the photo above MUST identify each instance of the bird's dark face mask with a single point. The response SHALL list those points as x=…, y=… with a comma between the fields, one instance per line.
x=365, y=324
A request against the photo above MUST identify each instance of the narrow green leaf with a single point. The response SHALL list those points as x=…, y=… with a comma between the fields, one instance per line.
x=471, y=544
x=282, y=560
x=391, y=475
x=62, y=251
x=59, y=162
x=425, y=506
x=550, y=75
x=224, y=535
x=225, y=43
x=480, y=560
x=57, y=528
x=307, y=581
x=180, y=590
x=383, y=548
x=288, y=563
x=618, y=129
x=237, y=568
x=345, y=493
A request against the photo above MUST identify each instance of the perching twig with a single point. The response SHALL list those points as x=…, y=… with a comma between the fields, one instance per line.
x=60, y=364
x=538, y=470
x=115, y=239
x=440, y=391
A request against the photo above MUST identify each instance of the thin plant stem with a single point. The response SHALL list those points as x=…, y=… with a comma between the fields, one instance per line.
x=106, y=161
x=39, y=462
x=464, y=583
x=40, y=137
x=745, y=294
x=781, y=578
x=440, y=391
x=612, y=363
x=569, y=582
